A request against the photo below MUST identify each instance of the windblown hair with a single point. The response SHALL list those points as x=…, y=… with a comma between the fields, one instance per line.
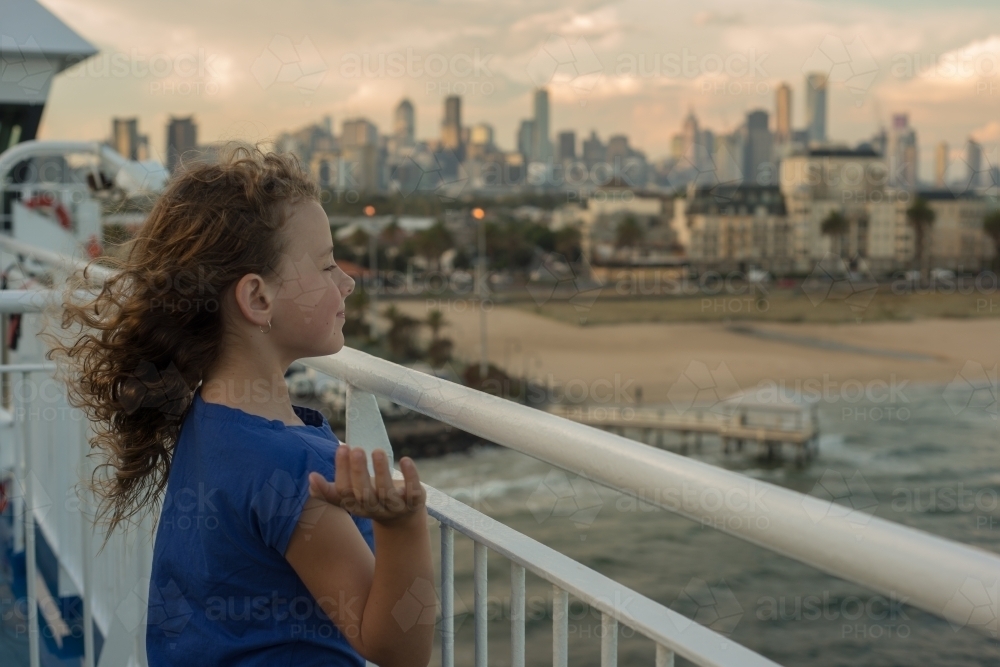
x=142, y=341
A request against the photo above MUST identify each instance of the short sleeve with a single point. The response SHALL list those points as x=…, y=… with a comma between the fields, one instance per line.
x=277, y=504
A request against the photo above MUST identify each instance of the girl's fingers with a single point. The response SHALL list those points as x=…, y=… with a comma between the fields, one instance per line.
x=342, y=479
x=383, y=478
x=320, y=488
x=360, y=479
x=414, y=490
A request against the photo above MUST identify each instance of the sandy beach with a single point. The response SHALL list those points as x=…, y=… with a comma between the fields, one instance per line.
x=658, y=356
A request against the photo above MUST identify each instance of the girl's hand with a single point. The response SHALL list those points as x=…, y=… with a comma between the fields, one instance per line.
x=389, y=502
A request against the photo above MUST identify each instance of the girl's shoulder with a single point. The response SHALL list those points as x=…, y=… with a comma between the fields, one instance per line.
x=227, y=430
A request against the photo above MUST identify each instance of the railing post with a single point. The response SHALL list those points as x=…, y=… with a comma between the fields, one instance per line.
x=31, y=569
x=560, y=627
x=517, y=613
x=447, y=596
x=664, y=656
x=479, y=574
x=85, y=548
x=609, y=640
x=365, y=427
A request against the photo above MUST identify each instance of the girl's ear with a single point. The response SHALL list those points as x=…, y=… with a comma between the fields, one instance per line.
x=254, y=299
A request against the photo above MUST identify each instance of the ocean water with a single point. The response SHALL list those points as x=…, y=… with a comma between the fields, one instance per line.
x=931, y=462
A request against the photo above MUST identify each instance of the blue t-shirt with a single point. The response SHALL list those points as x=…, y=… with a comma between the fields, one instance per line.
x=221, y=591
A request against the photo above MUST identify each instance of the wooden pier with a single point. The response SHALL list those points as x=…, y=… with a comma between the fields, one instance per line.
x=768, y=427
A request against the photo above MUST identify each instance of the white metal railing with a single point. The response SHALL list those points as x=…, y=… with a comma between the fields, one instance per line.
x=891, y=558
x=52, y=460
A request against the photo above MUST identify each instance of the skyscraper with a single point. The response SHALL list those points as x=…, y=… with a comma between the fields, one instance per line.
x=358, y=132
x=359, y=155
x=403, y=122
x=902, y=153
x=525, y=138
x=689, y=139
x=567, y=146
x=783, y=114
x=125, y=137
x=757, y=152
x=974, y=160
x=593, y=150
x=182, y=137
x=451, y=127
x=940, y=164
x=816, y=107
x=541, y=145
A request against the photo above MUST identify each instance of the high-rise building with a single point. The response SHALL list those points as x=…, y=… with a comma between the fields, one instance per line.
x=940, y=164
x=358, y=132
x=525, y=138
x=451, y=127
x=689, y=139
x=125, y=137
x=182, y=137
x=480, y=143
x=783, y=114
x=567, y=145
x=758, y=168
x=481, y=134
x=728, y=159
x=618, y=149
x=901, y=153
x=706, y=149
x=594, y=151
x=403, y=124
x=541, y=144
x=974, y=160
x=359, y=167
x=816, y=107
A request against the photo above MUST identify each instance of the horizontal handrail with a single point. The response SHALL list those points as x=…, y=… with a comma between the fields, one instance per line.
x=95, y=272
x=927, y=570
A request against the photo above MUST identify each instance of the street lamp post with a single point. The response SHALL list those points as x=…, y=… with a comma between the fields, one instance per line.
x=479, y=214
x=373, y=270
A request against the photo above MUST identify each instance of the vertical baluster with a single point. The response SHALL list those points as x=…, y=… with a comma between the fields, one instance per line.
x=609, y=640
x=560, y=627
x=516, y=615
x=447, y=596
x=664, y=656
x=34, y=656
x=479, y=573
x=85, y=550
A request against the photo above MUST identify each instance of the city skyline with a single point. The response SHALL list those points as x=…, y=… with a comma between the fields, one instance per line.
x=621, y=80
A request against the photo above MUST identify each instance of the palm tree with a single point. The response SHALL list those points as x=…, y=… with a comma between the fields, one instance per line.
x=835, y=226
x=628, y=233
x=433, y=241
x=920, y=216
x=991, y=225
x=401, y=336
x=435, y=320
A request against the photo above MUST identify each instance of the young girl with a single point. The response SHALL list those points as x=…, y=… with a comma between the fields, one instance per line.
x=265, y=545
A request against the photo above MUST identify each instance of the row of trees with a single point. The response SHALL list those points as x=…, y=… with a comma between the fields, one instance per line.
x=920, y=217
x=510, y=245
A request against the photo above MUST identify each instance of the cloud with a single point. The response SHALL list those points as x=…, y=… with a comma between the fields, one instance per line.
x=707, y=18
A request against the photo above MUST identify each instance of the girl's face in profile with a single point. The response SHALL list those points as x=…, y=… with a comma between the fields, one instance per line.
x=309, y=307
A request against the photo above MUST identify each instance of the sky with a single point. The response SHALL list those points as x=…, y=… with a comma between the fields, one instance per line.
x=251, y=69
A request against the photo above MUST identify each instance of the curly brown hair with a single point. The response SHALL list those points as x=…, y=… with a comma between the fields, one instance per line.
x=142, y=341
